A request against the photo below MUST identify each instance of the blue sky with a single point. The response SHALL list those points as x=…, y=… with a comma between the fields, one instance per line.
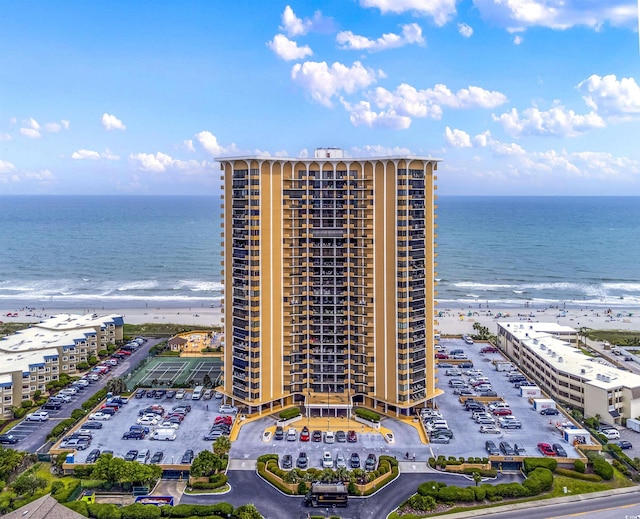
x=518, y=97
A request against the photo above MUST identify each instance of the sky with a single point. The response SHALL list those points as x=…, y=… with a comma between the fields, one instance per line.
x=517, y=97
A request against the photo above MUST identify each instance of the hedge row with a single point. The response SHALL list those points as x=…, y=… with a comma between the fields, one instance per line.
x=215, y=481
x=578, y=475
x=530, y=464
x=274, y=480
x=287, y=414
x=367, y=414
x=138, y=511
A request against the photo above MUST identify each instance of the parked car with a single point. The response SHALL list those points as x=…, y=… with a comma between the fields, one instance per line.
x=140, y=393
x=131, y=455
x=611, y=434
x=305, y=436
x=52, y=406
x=520, y=450
x=491, y=448
x=316, y=436
x=303, y=461
x=329, y=437
x=170, y=394
x=38, y=416
x=624, y=444
x=92, y=457
x=8, y=439
x=157, y=457
x=92, y=425
x=228, y=409
x=341, y=461
x=354, y=460
x=546, y=449
x=279, y=434
x=489, y=349
x=440, y=439
x=371, y=462
x=133, y=435
x=507, y=449
x=100, y=416
x=489, y=429
x=292, y=434
x=559, y=450
x=327, y=460
x=550, y=411
x=352, y=437
x=389, y=437
x=287, y=461
x=341, y=436
x=187, y=457
x=180, y=394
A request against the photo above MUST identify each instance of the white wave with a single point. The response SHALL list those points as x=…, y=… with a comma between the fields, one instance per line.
x=197, y=285
x=138, y=285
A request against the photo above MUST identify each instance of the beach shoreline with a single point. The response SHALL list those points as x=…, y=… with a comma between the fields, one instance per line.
x=451, y=320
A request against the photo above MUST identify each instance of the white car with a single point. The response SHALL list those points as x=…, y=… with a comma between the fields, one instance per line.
x=327, y=460
x=100, y=416
x=146, y=420
x=228, y=409
x=266, y=436
x=169, y=425
x=180, y=394
x=389, y=437
x=68, y=391
x=38, y=416
x=218, y=395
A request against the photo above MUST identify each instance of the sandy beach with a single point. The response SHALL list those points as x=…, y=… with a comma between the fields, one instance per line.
x=451, y=321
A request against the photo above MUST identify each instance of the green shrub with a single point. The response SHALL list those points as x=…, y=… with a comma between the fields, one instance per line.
x=266, y=457
x=530, y=464
x=480, y=493
x=104, y=511
x=422, y=503
x=188, y=511
x=56, y=486
x=538, y=481
x=138, y=511
x=578, y=475
x=63, y=495
x=366, y=414
x=77, y=414
x=287, y=414
x=19, y=412
x=579, y=466
x=27, y=404
x=79, y=507
x=430, y=488
x=302, y=488
x=602, y=468
x=456, y=495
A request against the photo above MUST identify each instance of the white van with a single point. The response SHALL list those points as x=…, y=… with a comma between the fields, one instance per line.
x=197, y=393
x=208, y=394
x=163, y=435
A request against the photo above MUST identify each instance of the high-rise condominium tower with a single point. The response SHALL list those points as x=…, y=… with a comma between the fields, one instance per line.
x=329, y=282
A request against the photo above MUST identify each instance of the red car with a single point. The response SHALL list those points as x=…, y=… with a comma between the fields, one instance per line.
x=352, y=437
x=304, y=434
x=123, y=352
x=501, y=412
x=546, y=449
x=227, y=420
x=440, y=355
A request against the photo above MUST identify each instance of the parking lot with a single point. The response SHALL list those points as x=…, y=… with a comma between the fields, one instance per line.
x=468, y=440
x=189, y=435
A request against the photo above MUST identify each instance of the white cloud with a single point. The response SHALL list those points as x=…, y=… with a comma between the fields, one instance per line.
x=465, y=30
x=440, y=10
x=324, y=82
x=518, y=15
x=111, y=122
x=161, y=162
x=5, y=137
x=30, y=128
x=293, y=25
x=411, y=34
x=517, y=40
x=56, y=127
x=361, y=114
x=557, y=121
x=6, y=166
x=287, y=49
x=611, y=97
x=188, y=144
x=209, y=142
x=93, y=155
x=377, y=150
x=44, y=176
x=458, y=138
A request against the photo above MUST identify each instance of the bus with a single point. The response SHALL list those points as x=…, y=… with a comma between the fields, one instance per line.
x=327, y=495
x=197, y=393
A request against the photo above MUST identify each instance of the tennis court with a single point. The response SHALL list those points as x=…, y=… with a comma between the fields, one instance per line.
x=169, y=371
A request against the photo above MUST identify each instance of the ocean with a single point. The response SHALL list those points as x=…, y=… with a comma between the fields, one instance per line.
x=165, y=251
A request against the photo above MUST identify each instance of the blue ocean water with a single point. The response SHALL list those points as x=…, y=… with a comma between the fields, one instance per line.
x=165, y=251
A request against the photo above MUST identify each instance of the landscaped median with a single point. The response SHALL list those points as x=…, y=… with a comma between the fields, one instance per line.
x=543, y=480
x=297, y=481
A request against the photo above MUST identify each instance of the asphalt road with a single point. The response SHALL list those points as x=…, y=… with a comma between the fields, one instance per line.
x=33, y=434
x=248, y=487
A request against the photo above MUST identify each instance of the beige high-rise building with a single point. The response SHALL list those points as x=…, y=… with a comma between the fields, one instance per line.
x=329, y=282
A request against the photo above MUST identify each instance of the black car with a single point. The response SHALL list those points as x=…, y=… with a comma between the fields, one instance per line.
x=157, y=457
x=8, y=438
x=507, y=449
x=624, y=444
x=354, y=460
x=140, y=393
x=131, y=455
x=133, y=435
x=370, y=462
x=491, y=447
x=559, y=450
x=316, y=436
x=550, y=411
x=93, y=456
x=187, y=457
x=92, y=424
x=151, y=393
x=171, y=393
x=302, y=460
x=52, y=406
x=160, y=393
x=279, y=434
x=287, y=461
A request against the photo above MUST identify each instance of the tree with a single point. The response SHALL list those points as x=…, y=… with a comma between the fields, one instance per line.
x=477, y=477
x=206, y=381
x=28, y=483
x=116, y=386
x=109, y=468
x=205, y=464
x=222, y=446
x=9, y=461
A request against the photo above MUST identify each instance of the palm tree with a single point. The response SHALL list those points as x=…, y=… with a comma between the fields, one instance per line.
x=342, y=473
x=222, y=446
x=116, y=386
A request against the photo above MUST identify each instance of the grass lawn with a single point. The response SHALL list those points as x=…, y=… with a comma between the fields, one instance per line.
x=222, y=489
x=163, y=329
